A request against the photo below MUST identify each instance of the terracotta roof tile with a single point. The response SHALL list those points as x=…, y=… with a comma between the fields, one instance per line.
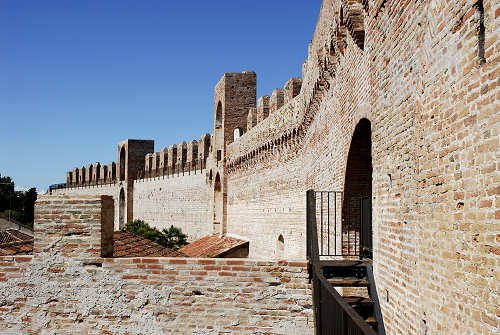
x=17, y=248
x=12, y=235
x=215, y=245
x=128, y=245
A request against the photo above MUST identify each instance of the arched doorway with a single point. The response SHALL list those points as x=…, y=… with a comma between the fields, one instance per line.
x=218, y=116
x=121, y=210
x=356, y=209
x=122, y=164
x=218, y=207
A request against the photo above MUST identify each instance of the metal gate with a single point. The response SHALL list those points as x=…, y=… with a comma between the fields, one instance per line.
x=344, y=224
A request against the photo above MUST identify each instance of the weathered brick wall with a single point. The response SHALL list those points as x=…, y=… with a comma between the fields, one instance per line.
x=65, y=287
x=425, y=74
x=427, y=81
x=266, y=201
x=112, y=190
x=182, y=201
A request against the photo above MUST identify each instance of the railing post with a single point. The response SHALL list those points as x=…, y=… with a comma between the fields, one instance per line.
x=310, y=218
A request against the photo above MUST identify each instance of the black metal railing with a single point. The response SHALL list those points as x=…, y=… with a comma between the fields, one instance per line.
x=333, y=315
x=344, y=224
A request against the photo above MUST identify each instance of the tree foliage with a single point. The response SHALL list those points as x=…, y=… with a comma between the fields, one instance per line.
x=172, y=237
x=20, y=205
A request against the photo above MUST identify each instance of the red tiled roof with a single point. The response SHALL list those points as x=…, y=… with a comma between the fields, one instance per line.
x=212, y=246
x=128, y=245
x=12, y=235
x=17, y=248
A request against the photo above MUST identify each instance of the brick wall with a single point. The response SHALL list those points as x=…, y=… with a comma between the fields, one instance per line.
x=112, y=190
x=426, y=78
x=65, y=287
x=182, y=201
x=425, y=74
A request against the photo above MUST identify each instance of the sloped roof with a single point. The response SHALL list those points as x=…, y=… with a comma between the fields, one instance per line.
x=12, y=235
x=17, y=248
x=125, y=245
x=215, y=245
x=129, y=245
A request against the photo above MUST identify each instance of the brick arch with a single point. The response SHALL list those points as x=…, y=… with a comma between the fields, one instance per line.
x=358, y=186
x=218, y=115
x=122, y=160
x=121, y=209
x=218, y=207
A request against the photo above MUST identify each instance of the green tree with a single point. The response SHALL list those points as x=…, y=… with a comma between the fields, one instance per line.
x=172, y=238
x=6, y=193
x=27, y=204
x=20, y=205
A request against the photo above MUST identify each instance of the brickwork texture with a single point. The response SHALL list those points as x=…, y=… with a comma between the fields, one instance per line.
x=399, y=101
x=68, y=286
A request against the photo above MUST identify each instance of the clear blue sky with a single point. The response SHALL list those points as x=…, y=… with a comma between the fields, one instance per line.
x=77, y=77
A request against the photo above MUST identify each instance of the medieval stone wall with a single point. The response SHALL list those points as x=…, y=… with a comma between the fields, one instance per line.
x=426, y=77
x=67, y=287
x=112, y=190
x=181, y=201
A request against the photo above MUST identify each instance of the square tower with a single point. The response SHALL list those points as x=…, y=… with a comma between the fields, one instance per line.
x=131, y=155
x=235, y=94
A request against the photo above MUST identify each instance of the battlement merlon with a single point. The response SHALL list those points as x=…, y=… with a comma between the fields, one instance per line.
x=292, y=89
x=263, y=107
x=252, y=118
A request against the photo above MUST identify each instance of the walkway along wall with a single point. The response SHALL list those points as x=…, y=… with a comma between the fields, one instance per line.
x=67, y=286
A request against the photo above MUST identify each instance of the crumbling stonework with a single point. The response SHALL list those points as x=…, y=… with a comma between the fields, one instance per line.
x=68, y=286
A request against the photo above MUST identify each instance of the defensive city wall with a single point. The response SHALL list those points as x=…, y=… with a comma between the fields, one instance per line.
x=72, y=284
x=399, y=103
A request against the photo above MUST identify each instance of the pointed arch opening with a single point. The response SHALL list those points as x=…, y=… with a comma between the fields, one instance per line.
x=218, y=207
x=356, y=209
x=122, y=163
x=121, y=210
x=218, y=115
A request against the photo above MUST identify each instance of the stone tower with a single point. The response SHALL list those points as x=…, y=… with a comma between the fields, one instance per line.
x=235, y=94
x=130, y=161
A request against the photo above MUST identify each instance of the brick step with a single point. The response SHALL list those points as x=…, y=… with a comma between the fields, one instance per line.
x=343, y=282
x=363, y=306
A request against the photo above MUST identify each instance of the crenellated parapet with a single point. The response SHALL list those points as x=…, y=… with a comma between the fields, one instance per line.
x=91, y=175
x=276, y=101
x=251, y=118
x=178, y=158
x=267, y=105
x=203, y=148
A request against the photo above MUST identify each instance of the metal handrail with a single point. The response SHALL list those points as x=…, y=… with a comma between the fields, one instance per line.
x=326, y=300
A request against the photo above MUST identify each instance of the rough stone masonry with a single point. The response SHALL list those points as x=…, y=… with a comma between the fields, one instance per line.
x=71, y=286
x=398, y=102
